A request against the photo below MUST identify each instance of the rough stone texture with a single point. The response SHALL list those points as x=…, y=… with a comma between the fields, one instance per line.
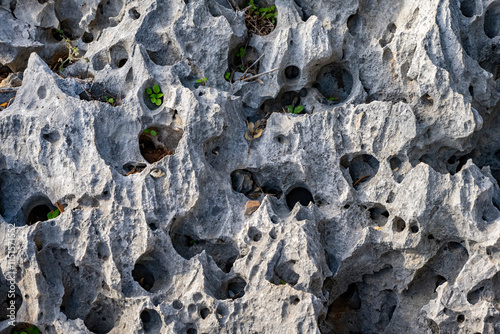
x=379, y=210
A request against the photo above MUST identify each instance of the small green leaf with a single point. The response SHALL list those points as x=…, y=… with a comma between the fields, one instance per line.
x=298, y=109
x=159, y=95
x=331, y=99
x=156, y=89
x=111, y=101
x=205, y=79
x=149, y=91
x=146, y=130
x=227, y=75
x=198, y=80
x=191, y=242
x=153, y=96
x=153, y=132
x=282, y=282
x=289, y=109
x=153, y=100
x=158, y=102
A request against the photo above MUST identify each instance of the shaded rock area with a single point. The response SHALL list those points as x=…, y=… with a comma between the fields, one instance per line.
x=365, y=200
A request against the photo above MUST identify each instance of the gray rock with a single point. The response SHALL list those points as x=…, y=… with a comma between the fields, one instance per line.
x=379, y=203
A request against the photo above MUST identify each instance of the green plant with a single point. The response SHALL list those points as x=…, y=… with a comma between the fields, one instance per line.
x=151, y=132
x=282, y=282
x=73, y=52
x=30, y=329
x=53, y=214
x=155, y=94
x=296, y=110
x=227, y=76
x=241, y=53
x=202, y=81
x=331, y=99
x=268, y=13
x=110, y=100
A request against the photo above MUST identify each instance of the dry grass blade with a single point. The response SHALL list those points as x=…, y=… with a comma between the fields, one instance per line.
x=361, y=179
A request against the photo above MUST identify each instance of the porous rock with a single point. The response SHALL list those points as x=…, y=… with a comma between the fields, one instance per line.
x=379, y=204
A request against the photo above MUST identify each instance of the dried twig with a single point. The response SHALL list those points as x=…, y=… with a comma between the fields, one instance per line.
x=259, y=75
x=361, y=179
x=253, y=64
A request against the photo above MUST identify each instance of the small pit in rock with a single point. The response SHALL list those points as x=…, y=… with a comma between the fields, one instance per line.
x=151, y=321
x=379, y=214
x=300, y=195
x=360, y=168
x=292, y=72
x=334, y=82
x=398, y=224
x=100, y=319
x=492, y=20
x=156, y=142
x=236, y=288
x=243, y=181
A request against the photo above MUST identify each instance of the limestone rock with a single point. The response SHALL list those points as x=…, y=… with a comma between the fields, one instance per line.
x=379, y=203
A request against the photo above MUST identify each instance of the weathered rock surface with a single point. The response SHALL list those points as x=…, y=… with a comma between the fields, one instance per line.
x=379, y=206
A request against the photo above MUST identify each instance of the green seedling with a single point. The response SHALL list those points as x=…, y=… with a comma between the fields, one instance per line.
x=331, y=99
x=155, y=94
x=73, y=52
x=110, y=100
x=227, y=76
x=202, y=81
x=241, y=53
x=282, y=282
x=267, y=13
x=296, y=110
x=53, y=214
x=151, y=132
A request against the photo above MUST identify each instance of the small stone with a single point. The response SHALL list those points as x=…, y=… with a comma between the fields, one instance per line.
x=251, y=207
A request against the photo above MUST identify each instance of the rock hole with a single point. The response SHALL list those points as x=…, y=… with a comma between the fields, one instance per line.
x=133, y=167
x=87, y=37
x=192, y=331
x=156, y=142
x=468, y=7
x=300, y=195
x=395, y=164
x=284, y=273
x=100, y=319
x=272, y=233
x=379, y=214
x=151, y=321
x=177, y=305
x=334, y=82
x=240, y=59
x=474, y=296
x=146, y=97
x=460, y=318
x=414, y=229
x=133, y=13
x=361, y=169
x=254, y=234
x=294, y=300
x=119, y=55
x=51, y=137
x=354, y=24
x=42, y=92
x=398, y=224
x=292, y=72
x=236, y=288
x=281, y=139
x=272, y=187
x=162, y=51
x=243, y=181
x=205, y=312
x=492, y=20
x=39, y=213
x=143, y=276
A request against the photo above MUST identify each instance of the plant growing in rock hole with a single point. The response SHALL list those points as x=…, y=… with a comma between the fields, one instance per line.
x=26, y=329
x=227, y=76
x=255, y=130
x=155, y=95
x=202, y=81
x=53, y=214
x=260, y=21
x=294, y=110
x=73, y=52
x=151, y=132
x=110, y=100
